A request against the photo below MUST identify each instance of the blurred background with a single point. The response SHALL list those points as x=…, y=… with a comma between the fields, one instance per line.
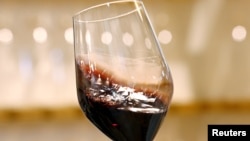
x=206, y=43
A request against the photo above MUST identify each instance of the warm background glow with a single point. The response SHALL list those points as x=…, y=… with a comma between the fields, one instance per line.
x=206, y=44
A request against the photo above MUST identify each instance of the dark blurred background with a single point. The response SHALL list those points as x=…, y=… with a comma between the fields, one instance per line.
x=206, y=43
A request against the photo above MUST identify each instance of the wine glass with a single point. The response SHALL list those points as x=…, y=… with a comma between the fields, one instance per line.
x=124, y=85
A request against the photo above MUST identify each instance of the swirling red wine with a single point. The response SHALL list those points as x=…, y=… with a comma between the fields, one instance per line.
x=123, y=113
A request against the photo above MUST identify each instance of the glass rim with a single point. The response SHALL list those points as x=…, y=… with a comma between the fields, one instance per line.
x=106, y=4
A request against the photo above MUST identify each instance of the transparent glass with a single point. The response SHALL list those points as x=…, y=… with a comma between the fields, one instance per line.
x=124, y=84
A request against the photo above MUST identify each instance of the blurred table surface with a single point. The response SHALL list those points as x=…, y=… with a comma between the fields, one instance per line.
x=185, y=123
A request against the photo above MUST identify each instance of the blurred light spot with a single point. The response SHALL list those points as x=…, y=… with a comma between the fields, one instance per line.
x=148, y=43
x=25, y=65
x=40, y=35
x=128, y=39
x=239, y=33
x=68, y=35
x=106, y=38
x=165, y=37
x=88, y=37
x=6, y=35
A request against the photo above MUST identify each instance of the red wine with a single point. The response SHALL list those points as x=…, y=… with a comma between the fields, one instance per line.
x=119, y=111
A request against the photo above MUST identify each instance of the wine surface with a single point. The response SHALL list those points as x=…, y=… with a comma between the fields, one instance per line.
x=122, y=112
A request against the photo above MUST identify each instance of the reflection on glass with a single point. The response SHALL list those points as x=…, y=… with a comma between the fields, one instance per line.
x=128, y=39
x=106, y=38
